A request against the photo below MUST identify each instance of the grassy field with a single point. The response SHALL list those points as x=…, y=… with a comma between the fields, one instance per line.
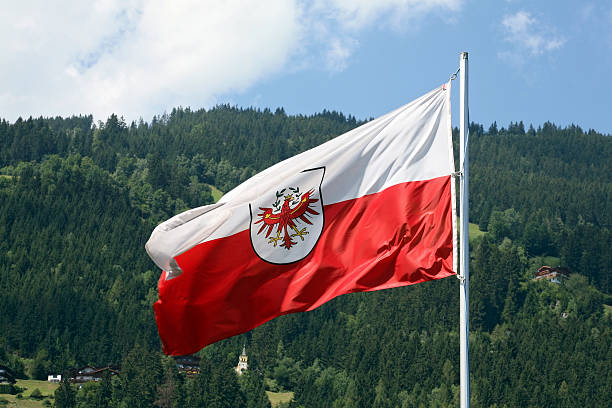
x=46, y=388
x=278, y=397
x=216, y=193
x=551, y=261
x=474, y=231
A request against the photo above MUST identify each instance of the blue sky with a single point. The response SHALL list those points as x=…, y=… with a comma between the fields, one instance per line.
x=533, y=61
x=509, y=79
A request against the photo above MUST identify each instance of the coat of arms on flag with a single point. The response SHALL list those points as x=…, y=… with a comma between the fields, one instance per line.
x=286, y=222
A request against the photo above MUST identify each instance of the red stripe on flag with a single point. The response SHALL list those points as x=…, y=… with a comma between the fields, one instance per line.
x=397, y=237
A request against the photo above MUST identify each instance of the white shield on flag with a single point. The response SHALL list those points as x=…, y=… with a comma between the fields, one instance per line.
x=286, y=222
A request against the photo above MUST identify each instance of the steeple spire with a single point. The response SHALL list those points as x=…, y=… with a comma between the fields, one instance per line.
x=242, y=361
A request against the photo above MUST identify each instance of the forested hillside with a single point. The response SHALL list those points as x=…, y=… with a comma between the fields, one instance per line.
x=78, y=201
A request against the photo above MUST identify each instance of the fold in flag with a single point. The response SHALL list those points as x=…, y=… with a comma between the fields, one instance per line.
x=371, y=209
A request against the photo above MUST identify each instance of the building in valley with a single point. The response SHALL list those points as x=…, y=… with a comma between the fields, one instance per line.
x=242, y=362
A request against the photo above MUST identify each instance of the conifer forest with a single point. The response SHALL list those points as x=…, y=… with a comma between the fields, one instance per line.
x=79, y=199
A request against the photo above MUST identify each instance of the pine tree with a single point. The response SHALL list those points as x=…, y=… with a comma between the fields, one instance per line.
x=65, y=397
x=105, y=391
x=166, y=392
x=253, y=388
x=381, y=397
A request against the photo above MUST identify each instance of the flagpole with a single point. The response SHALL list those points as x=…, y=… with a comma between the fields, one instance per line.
x=464, y=356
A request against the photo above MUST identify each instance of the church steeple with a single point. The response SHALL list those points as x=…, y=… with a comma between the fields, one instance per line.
x=242, y=362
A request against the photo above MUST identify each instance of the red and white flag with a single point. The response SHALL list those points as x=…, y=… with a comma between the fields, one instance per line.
x=371, y=209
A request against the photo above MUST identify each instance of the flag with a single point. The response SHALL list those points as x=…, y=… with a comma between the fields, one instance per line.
x=370, y=209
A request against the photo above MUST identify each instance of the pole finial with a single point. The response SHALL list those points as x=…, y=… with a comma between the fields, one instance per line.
x=464, y=55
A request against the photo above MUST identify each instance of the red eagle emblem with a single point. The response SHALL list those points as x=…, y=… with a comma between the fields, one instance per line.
x=295, y=207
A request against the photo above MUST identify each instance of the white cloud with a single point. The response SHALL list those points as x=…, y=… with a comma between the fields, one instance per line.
x=137, y=58
x=141, y=57
x=339, y=52
x=357, y=14
x=336, y=23
x=586, y=11
x=528, y=36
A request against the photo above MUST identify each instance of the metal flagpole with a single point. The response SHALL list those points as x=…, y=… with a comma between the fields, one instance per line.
x=464, y=263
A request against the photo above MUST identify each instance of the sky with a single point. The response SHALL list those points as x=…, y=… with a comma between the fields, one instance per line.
x=534, y=61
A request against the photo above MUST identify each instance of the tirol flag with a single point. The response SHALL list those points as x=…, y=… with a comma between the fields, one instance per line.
x=370, y=209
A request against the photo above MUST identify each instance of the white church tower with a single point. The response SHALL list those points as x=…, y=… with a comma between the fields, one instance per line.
x=242, y=362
